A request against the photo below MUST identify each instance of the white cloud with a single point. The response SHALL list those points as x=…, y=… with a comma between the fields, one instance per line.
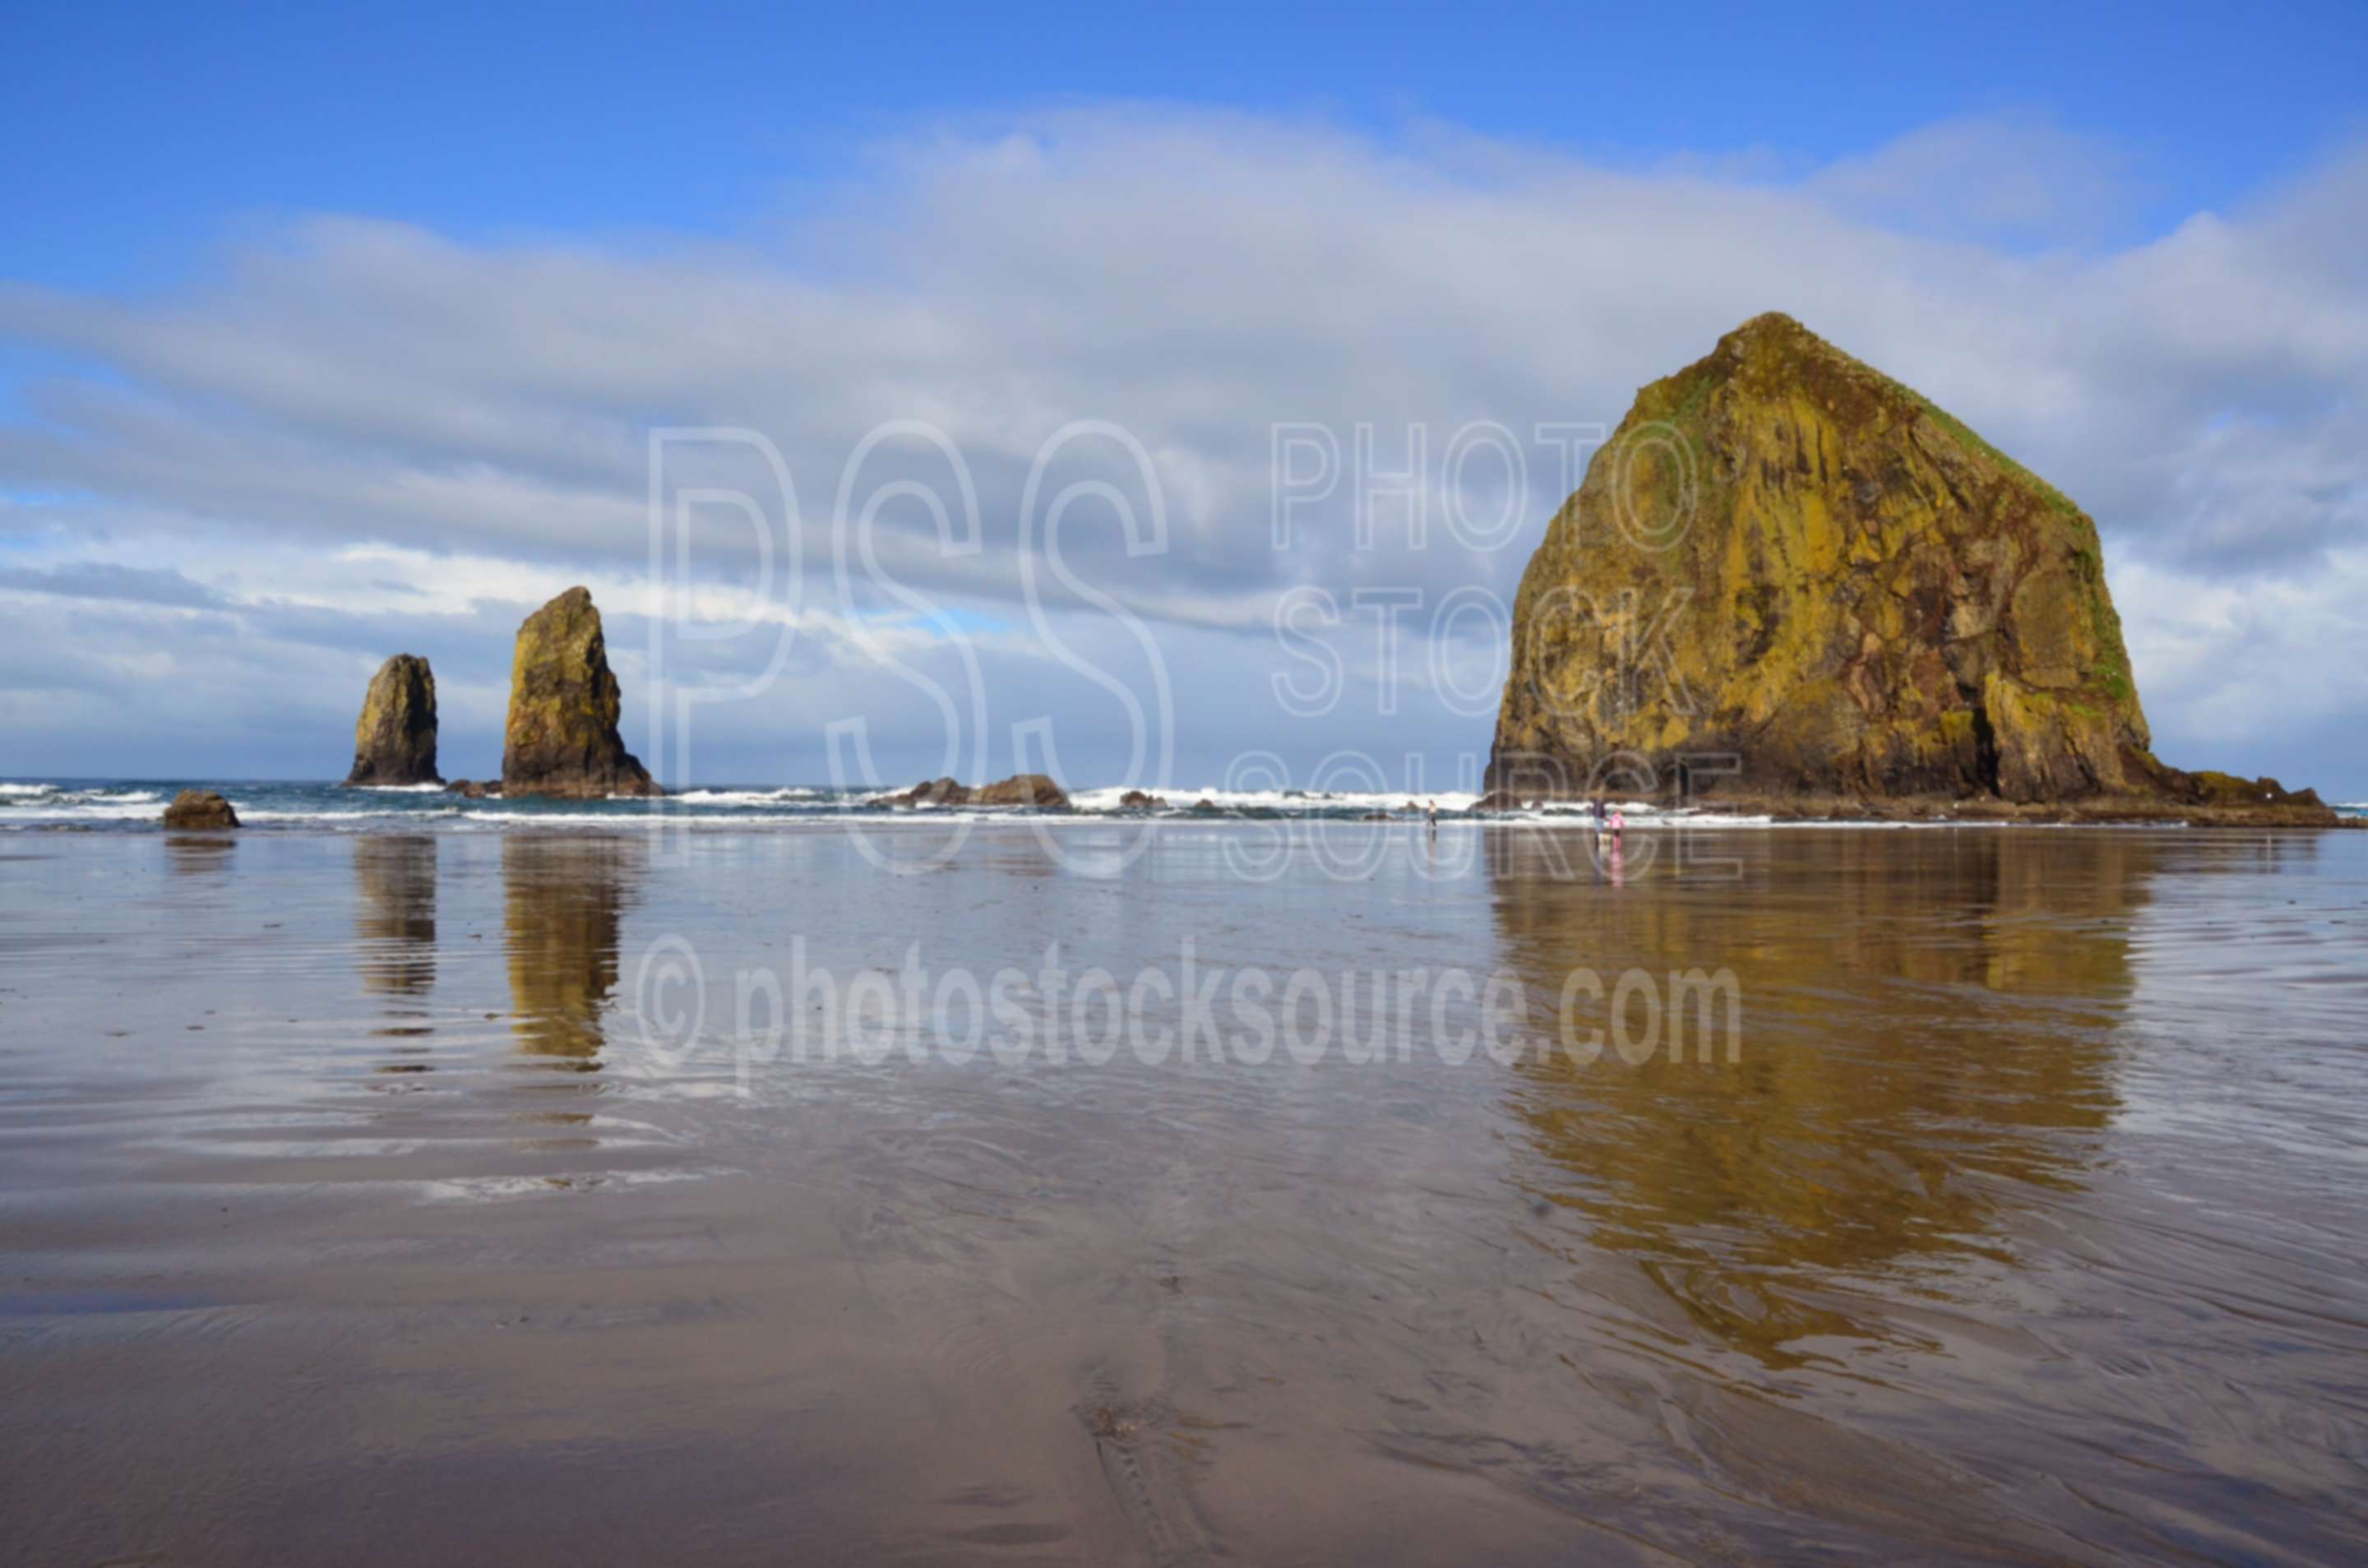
x=2014, y=178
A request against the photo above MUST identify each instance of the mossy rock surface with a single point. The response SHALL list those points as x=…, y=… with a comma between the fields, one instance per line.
x=199, y=811
x=1789, y=573
x=561, y=737
x=394, y=740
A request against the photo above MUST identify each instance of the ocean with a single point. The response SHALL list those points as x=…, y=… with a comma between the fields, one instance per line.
x=117, y=803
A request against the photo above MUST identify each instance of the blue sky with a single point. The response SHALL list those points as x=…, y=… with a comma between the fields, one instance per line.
x=322, y=336
x=139, y=133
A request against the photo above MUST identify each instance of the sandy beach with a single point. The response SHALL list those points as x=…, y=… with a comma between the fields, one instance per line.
x=363, y=1197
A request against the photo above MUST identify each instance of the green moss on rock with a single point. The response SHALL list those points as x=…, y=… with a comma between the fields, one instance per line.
x=1785, y=558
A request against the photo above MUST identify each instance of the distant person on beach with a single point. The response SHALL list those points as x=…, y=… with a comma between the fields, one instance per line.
x=1433, y=813
x=1619, y=822
x=1595, y=808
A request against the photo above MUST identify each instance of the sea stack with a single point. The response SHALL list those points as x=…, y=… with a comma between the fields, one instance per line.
x=1789, y=575
x=561, y=737
x=394, y=740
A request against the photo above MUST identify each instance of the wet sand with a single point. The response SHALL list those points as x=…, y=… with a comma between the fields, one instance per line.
x=346, y=1214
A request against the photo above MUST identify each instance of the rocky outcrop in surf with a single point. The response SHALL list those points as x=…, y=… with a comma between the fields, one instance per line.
x=199, y=810
x=394, y=740
x=929, y=793
x=561, y=737
x=1020, y=790
x=1787, y=575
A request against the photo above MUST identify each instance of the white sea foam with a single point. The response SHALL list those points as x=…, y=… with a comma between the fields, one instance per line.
x=117, y=811
x=51, y=803
x=1106, y=799
x=748, y=797
x=641, y=821
x=52, y=794
x=253, y=814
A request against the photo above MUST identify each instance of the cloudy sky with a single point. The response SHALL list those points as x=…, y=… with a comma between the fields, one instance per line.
x=320, y=342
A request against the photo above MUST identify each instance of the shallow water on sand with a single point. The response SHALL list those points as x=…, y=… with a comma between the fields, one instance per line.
x=363, y=1199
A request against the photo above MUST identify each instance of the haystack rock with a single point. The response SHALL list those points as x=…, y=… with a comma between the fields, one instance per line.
x=394, y=740
x=1787, y=575
x=561, y=737
x=200, y=810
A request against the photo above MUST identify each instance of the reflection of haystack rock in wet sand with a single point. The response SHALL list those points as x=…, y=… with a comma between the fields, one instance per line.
x=1833, y=1140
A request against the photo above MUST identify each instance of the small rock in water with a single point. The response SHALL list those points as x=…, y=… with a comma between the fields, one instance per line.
x=201, y=809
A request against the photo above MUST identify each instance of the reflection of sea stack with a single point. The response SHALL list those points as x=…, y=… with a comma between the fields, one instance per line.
x=561, y=737
x=394, y=916
x=1804, y=574
x=564, y=902
x=394, y=740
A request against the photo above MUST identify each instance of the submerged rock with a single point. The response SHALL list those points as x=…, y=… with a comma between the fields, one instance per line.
x=394, y=740
x=1140, y=800
x=200, y=809
x=1020, y=790
x=934, y=793
x=561, y=737
x=469, y=789
x=1788, y=574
